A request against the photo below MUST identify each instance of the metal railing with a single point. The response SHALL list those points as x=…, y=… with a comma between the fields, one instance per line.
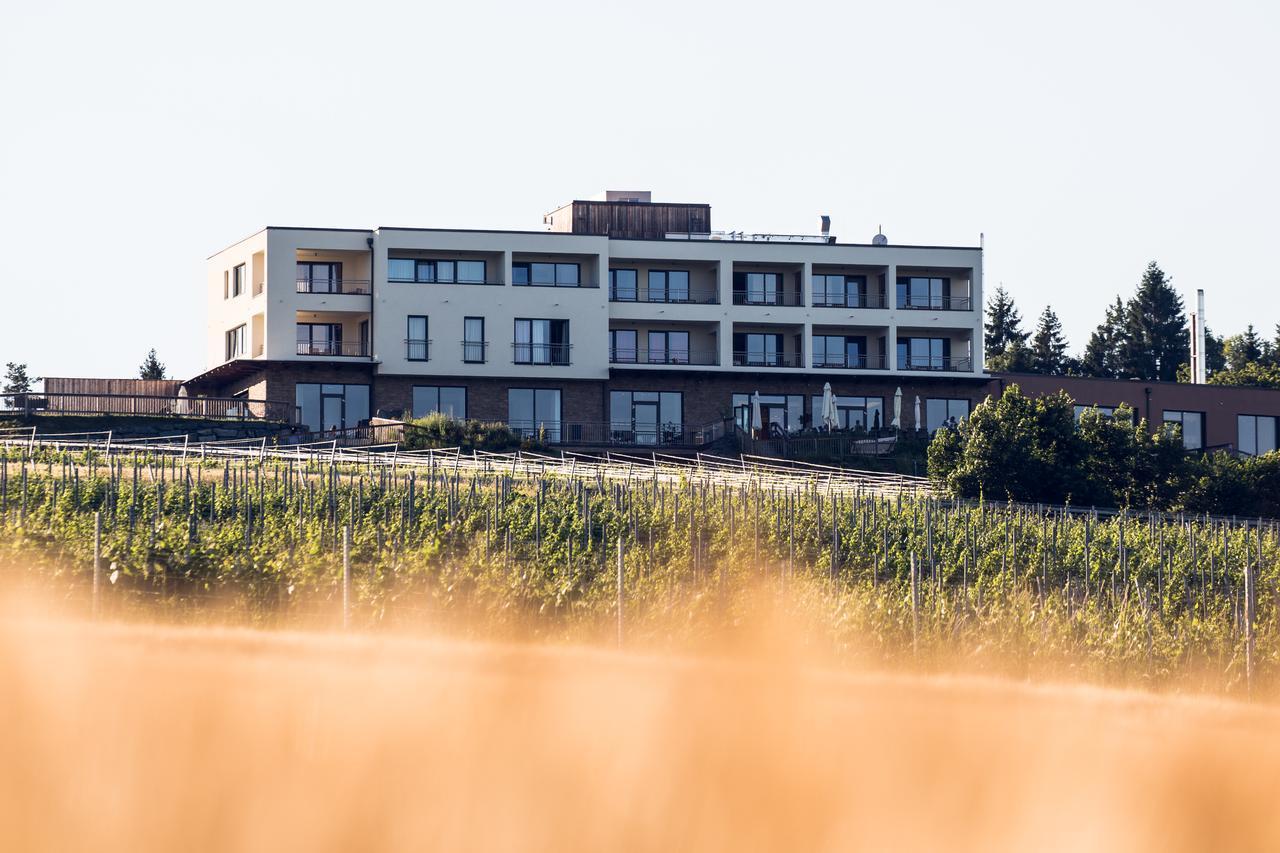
x=556, y=354
x=475, y=352
x=783, y=296
x=334, y=285
x=417, y=349
x=870, y=300
x=926, y=363
x=619, y=434
x=936, y=303
x=760, y=359
x=692, y=295
x=588, y=284
x=850, y=362
x=213, y=408
x=355, y=349
x=632, y=355
x=475, y=282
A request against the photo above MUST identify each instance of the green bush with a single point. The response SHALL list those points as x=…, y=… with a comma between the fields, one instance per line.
x=437, y=431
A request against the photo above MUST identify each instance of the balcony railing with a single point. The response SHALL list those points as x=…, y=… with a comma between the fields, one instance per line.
x=215, y=408
x=333, y=285
x=762, y=359
x=787, y=296
x=357, y=349
x=847, y=361
x=475, y=352
x=871, y=300
x=935, y=303
x=451, y=281
x=702, y=294
x=631, y=355
x=417, y=349
x=937, y=363
x=554, y=354
x=620, y=434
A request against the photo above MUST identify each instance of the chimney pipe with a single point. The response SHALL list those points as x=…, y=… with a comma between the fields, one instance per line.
x=826, y=227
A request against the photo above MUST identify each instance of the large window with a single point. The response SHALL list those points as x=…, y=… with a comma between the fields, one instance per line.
x=436, y=271
x=320, y=339
x=473, y=343
x=924, y=292
x=840, y=291
x=236, y=341
x=237, y=280
x=758, y=288
x=442, y=399
x=622, y=346
x=668, y=286
x=545, y=274
x=839, y=351
x=319, y=277
x=853, y=412
x=622, y=285
x=778, y=413
x=417, y=345
x=1257, y=434
x=541, y=342
x=751, y=349
x=943, y=411
x=924, y=354
x=668, y=348
x=1192, y=424
x=535, y=411
x=324, y=407
x=645, y=417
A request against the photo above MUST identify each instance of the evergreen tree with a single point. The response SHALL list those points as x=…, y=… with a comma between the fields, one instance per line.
x=1155, y=338
x=1215, y=352
x=1102, y=354
x=1004, y=324
x=1244, y=350
x=16, y=379
x=1049, y=347
x=151, y=367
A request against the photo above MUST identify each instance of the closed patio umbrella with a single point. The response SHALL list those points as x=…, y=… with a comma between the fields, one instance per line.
x=897, y=409
x=830, y=411
x=757, y=423
x=919, y=423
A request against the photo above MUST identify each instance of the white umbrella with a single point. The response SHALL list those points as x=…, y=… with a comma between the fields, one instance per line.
x=830, y=411
x=897, y=409
x=756, y=422
x=919, y=423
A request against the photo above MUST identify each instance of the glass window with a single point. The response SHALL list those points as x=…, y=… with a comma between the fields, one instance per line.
x=534, y=411
x=446, y=271
x=236, y=341
x=473, y=344
x=622, y=285
x=519, y=273
x=622, y=346
x=853, y=412
x=567, y=275
x=446, y=400
x=416, y=343
x=1192, y=427
x=237, y=280
x=331, y=406
x=543, y=273
x=1256, y=433
x=400, y=269
x=471, y=272
x=938, y=412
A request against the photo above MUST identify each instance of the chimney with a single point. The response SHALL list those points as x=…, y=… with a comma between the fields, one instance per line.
x=1199, y=366
x=826, y=228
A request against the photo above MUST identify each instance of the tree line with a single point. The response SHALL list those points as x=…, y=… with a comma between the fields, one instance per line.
x=1145, y=337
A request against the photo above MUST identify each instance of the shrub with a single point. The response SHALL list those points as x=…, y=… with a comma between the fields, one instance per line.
x=437, y=431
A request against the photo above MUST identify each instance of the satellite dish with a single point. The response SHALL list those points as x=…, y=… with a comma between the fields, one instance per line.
x=880, y=239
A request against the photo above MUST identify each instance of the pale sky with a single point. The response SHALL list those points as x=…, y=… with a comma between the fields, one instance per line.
x=1084, y=140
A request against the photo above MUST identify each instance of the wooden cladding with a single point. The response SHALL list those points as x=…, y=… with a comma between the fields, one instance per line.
x=639, y=220
x=140, y=387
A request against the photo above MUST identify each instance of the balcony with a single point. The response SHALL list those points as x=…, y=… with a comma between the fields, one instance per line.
x=689, y=294
x=753, y=358
x=934, y=303
x=869, y=300
x=332, y=349
x=475, y=352
x=333, y=285
x=848, y=361
x=936, y=364
x=417, y=349
x=546, y=354
x=782, y=296
x=678, y=357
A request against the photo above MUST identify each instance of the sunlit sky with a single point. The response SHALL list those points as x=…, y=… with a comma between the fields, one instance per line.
x=1083, y=139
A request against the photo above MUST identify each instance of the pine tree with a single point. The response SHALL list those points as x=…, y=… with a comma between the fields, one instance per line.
x=1048, y=346
x=1004, y=324
x=1156, y=340
x=1102, y=354
x=16, y=379
x=1215, y=352
x=151, y=367
x=1244, y=349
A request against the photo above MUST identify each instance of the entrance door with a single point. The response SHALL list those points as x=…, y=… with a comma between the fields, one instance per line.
x=330, y=412
x=646, y=422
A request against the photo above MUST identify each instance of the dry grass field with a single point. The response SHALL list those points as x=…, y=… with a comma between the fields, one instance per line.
x=134, y=737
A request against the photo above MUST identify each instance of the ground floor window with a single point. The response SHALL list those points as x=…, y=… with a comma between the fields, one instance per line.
x=942, y=411
x=854, y=412
x=1256, y=433
x=534, y=412
x=324, y=407
x=645, y=417
x=778, y=413
x=445, y=400
x=1192, y=427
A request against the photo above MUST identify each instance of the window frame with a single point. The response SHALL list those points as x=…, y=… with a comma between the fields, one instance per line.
x=528, y=268
x=423, y=342
x=469, y=346
x=413, y=399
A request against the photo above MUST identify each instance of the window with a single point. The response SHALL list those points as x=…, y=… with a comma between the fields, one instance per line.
x=839, y=351
x=924, y=354
x=668, y=348
x=645, y=417
x=938, y=411
x=622, y=346
x=325, y=407
x=473, y=343
x=417, y=346
x=541, y=342
x=237, y=280
x=777, y=412
x=324, y=277
x=1192, y=427
x=840, y=291
x=923, y=292
x=1104, y=411
x=757, y=288
x=436, y=271
x=534, y=412
x=236, y=342
x=751, y=349
x=854, y=412
x=444, y=400
x=545, y=274
x=320, y=339
x=668, y=286
x=622, y=285
x=1257, y=433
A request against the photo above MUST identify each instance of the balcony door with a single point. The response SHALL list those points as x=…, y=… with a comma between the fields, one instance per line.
x=321, y=277
x=668, y=348
x=319, y=339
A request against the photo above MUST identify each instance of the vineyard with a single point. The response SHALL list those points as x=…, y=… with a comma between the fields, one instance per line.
x=638, y=550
